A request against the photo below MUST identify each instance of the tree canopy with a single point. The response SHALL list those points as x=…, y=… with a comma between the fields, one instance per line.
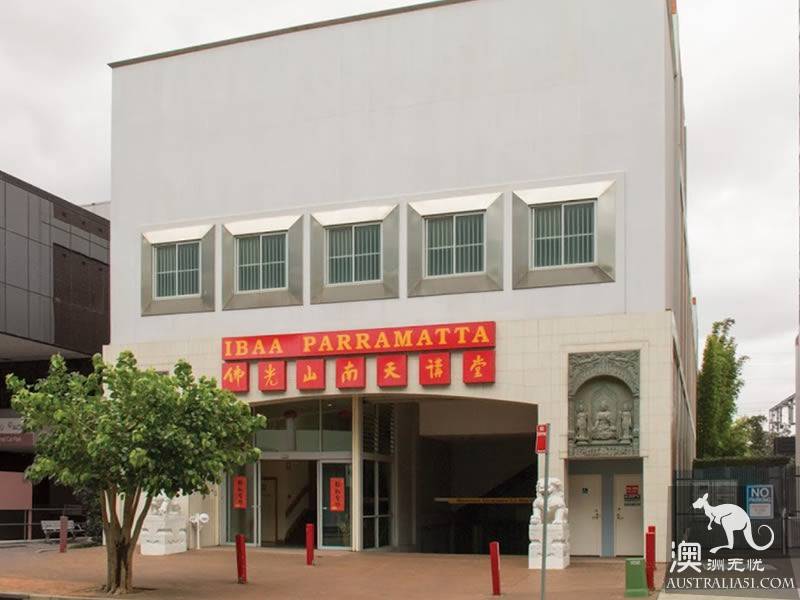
x=126, y=433
x=718, y=386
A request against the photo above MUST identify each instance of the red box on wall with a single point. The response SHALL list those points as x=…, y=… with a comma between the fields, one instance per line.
x=478, y=366
x=236, y=376
x=434, y=368
x=392, y=370
x=272, y=376
x=351, y=373
x=311, y=374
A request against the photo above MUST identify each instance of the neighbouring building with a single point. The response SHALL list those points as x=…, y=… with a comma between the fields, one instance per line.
x=407, y=238
x=781, y=417
x=53, y=300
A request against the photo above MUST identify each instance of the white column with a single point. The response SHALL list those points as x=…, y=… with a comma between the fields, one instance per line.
x=355, y=485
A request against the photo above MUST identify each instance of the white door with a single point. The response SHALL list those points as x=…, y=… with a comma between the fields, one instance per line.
x=585, y=519
x=269, y=510
x=628, y=522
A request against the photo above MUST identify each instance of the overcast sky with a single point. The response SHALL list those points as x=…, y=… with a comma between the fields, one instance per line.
x=741, y=95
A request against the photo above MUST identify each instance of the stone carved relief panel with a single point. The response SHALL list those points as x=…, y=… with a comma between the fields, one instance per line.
x=604, y=404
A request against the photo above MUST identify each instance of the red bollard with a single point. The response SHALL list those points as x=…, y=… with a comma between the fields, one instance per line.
x=309, y=544
x=62, y=534
x=650, y=556
x=494, y=556
x=241, y=559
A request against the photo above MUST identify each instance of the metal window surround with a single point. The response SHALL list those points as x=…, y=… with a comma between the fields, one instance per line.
x=204, y=302
x=490, y=279
x=292, y=294
x=387, y=286
x=605, y=193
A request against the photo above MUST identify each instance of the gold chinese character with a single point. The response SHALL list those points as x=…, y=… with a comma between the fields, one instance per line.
x=270, y=375
x=477, y=366
x=435, y=368
x=349, y=373
x=309, y=375
x=390, y=370
x=234, y=374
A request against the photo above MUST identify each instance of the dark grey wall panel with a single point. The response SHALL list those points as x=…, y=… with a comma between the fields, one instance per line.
x=79, y=243
x=2, y=204
x=2, y=307
x=16, y=311
x=59, y=236
x=16, y=260
x=34, y=227
x=35, y=251
x=3, y=254
x=35, y=320
x=16, y=210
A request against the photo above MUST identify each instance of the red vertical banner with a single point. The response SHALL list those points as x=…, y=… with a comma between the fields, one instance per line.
x=337, y=501
x=236, y=376
x=434, y=368
x=240, y=491
x=351, y=373
x=392, y=370
x=478, y=366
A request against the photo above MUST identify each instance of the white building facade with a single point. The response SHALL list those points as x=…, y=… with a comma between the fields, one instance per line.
x=407, y=238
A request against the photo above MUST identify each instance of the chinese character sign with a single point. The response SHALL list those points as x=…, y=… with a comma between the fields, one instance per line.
x=541, y=438
x=240, y=491
x=337, y=501
x=272, y=376
x=236, y=376
x=434, y=368
x=310, y=374
x=351, y=373
x=478, y=366
x=392, y=370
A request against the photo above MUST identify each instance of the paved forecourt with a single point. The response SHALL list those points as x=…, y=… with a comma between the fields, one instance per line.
x=211, y=573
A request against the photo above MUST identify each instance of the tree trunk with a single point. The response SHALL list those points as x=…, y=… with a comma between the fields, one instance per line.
x=121, y=541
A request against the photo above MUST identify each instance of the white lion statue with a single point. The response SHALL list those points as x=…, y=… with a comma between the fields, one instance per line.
x=557, y=512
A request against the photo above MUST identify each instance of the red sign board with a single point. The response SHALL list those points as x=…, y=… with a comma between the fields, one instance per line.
x=240, y=491
x=337, y=500
x=311, y=374
x=384, y=340
x=392, y=370
x=236, y=376
x=434, y=368
x=478, y=366
x=351, y=373
x=272, y=376
x=541, y=439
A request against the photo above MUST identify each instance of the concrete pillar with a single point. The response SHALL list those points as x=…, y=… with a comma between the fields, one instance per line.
x=356, y=508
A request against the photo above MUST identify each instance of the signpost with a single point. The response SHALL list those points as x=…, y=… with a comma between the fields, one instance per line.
x=543, y=447
x=760, y=501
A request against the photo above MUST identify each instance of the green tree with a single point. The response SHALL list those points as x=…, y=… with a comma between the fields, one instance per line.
x=748, y=438
x=718, y=386
x=127, y=434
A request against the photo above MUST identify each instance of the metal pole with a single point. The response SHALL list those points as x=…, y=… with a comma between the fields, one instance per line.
x=544, y=506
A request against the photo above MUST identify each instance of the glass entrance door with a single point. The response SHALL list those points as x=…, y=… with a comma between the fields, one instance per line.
x=377, y=503
x=334, y=509
x=242, y=499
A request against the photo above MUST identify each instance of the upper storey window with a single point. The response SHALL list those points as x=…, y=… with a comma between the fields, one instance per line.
x=177, y=269
x=354, y=253
x=261, y=262
x=454, y=244
x=563, y=234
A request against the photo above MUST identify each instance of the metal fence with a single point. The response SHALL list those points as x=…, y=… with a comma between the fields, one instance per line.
x=729, y=485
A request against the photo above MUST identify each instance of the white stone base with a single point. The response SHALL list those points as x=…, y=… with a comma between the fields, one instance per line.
x=557, y=546
x=163, y=534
